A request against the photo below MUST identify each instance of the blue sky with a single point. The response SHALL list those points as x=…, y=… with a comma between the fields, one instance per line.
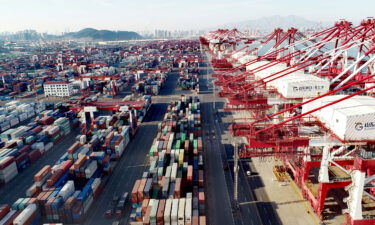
x=60, y=15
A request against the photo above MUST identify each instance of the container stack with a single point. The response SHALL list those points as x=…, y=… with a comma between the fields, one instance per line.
x=65, y=191
x=63, y=124
x=172, y=190
x=188, y=79
x=8, y=169
x=26, y=144
x=150, y=84
x=14, y=113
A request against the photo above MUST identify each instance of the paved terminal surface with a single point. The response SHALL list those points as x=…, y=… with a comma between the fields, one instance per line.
x=218, y=181
x=261, y=200
x=286, y=197
x=17, y=187
x=133, y=161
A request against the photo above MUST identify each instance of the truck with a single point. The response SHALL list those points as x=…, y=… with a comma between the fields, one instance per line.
x=121, y=205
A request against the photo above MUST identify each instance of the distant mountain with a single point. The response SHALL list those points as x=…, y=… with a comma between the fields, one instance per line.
x=103, y=35
x=270, y=23
x=87, y=34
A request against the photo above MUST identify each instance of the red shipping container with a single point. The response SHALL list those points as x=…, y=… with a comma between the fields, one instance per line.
x=25, y=148
x=21, y=157
x=97, y=191
x=201, y=198
x=34, y=155
x=47, y=120
x=10, y=220
x=66, y=165
x=4, y=209
x=37, y=129
x=201, y=178
x=6, y=161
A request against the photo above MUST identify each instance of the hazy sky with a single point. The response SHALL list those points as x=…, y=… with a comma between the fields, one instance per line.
x=62, y=15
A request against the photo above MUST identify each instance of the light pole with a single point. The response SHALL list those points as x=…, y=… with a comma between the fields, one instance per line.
x=235, y=171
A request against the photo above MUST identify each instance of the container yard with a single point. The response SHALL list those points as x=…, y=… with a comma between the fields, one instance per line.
x=267, y=121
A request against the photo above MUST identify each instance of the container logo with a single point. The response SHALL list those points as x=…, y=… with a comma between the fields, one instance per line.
x=358, y=126
x=366, y=126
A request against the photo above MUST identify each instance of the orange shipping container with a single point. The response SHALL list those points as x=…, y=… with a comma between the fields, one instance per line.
x=201, y=198
x=79, y=162
x=202, y=220
x=190, y=174
x=135, y=191
x=140, y=189
x=177, y=189
x=195, y=220
x=52, y=180
x=42, y=173
x=73, y=147
x=146, y=218
x=160, y=213
x=144, y=206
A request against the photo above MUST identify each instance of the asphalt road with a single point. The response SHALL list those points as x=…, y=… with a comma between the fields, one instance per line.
x=17, y=187
x=255, y=207
x=134, y=159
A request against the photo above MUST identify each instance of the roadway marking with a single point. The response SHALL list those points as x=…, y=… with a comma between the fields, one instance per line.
x=245, y=203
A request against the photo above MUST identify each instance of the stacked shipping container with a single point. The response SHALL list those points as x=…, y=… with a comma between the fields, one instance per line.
x=26, y=144
x=64, y=192
x=172, y=190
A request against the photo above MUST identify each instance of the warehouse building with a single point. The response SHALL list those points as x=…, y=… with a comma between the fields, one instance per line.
x=58, y=88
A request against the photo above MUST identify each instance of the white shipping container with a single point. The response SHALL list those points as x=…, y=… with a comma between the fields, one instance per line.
x=30, y=114
x=53, y=130
x=120, y=148
x=95, y=184
x=174, y=172
x=300, y=85
x=82, y=139
x=352, y=119
x=9, y=172
x=67, y=190
x=48, y=146
x=181, y=211
x=188, y=211
x=7, y=216
x=28, y=212
x=167, y=211
x=154, y=211
x=38, y=145
x=5, y=126
x=83, y=152
x=174, y=212
x=14, y=122
x=90, y=170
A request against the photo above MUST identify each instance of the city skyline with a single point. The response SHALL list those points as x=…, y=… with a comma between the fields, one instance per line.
x=56, y=16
